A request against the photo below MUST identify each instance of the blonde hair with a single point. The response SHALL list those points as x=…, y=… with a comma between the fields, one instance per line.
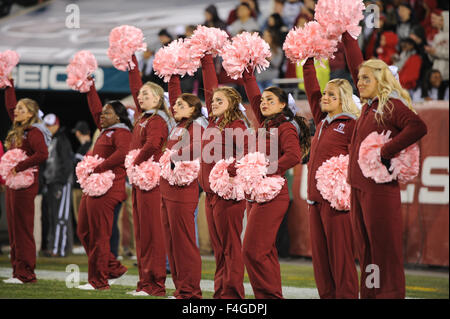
x=159, y=92
x=387, y=84
x=233, y=112
x=346, y=96
x=15, y=135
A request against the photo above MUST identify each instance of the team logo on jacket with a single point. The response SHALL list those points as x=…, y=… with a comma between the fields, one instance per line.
x=340, y=128
x=109, y=134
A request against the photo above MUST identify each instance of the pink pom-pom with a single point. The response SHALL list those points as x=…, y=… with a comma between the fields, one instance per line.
x=93, y=184
x=251, y=173
x=8, y=60
x=145, y=176
x=98, y=184
x=19, y=180
x=405, y=166
x=175, y=59
x=80, y=68
x=206, y=40
x=247, y=51
x=184, y=172
x=267, y=189
x=251, y=168
x=220, y=183
x=339, y=16
x=332, y=182
x=369, y=159
x=124, y=41
x=309, y=42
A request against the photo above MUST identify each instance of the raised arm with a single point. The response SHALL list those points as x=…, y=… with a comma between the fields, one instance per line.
x=353, y=55
x=10, y=100
x=253, y=94
x=210, y=81
x=312, y=89
x=134, y=78
x=290, y=149
x=95, y=105
x=174, y=88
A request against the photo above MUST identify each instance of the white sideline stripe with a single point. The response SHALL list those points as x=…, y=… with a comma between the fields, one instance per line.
x=131, y=280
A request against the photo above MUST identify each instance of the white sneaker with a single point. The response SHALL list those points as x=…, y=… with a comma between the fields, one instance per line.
x=13, y=281
x=131, y=292
x=140, y=293
x=87, y=286
x=171, y=297
x=112, y=281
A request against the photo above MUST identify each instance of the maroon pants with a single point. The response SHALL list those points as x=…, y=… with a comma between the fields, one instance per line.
x=260, y=252
x=377, y=223
x=224, y=219
x=95, y=221
x=332, y=252
x=148, y=232
x=184, y=256
x=20, y=216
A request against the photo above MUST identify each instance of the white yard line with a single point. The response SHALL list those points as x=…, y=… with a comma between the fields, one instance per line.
x=131, y=280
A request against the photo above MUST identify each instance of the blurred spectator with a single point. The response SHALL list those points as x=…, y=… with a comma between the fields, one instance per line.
x=372, y=43
x=308, y=9
x=233, y=15
x=145, y=61
x=419, y=37
x=438, y=50
x=189, y=30
x=430, y=9
x=406, y=21
x=432, y=88
x=212, y=19
x=265, y=78
x=388, y=47
x=291, y=10
x=164, y=37
x=245, y=21
x=83, y=135
x=2, y=181
x=57, y=174
x=409, y=64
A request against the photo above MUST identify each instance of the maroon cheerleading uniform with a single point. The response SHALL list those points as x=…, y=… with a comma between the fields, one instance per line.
x=330, y=229
x=96, y=214
x=224, y=217
x=178, y=205
x=149, y=135
x=264, y=219
x=20, y=203
x=376, y=208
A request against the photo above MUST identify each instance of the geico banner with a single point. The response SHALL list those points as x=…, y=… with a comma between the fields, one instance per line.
x=425, y=202
x=53, y=77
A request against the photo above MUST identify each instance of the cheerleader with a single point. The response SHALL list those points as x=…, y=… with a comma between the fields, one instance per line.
x=376, y=207
x=271, y=109
x=31, y=136
x=150, y=134
x=334, y=114
x=96, y=213
x=180, y=198
x=224, y=217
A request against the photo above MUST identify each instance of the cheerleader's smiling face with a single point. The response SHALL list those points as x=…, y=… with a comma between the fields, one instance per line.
x=108, y=117
x=182, y=110
x=147, y=99
x=367, y=83
x=21, y=113
x=331, y=100
x=270, y=104
x=219, y=104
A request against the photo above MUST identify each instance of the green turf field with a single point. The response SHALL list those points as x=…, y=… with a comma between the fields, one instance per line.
x=293, y=274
